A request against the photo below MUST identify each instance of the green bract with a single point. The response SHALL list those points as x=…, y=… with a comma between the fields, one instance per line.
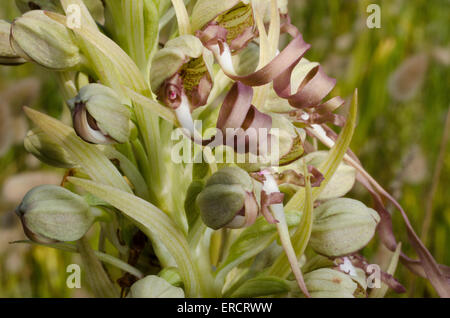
x=45, y=149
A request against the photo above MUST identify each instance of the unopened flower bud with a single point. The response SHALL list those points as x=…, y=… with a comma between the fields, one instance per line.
x=38, y=38
x=52, y=213
x=342, y=226
x=154, y=287
x=98, y=115
x=330, y=283
x=290, y=141
x=7, y=54
x=46, y=150
x=340, y=183
x=227, y=200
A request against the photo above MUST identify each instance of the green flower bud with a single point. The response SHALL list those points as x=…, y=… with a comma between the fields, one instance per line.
x=330, y=283
x=290, y=141
x=227, y=199
x=231, y=175
x=52, y=213
x=219, y=204
x=342, y=226
x=38, y=38
x=340, y=183
x=285, y=144
x=154, y=287
x=48, y=5
x=98, y=115
x=46, y=150
x=7, y=54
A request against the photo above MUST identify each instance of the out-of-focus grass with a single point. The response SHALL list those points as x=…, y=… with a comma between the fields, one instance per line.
x=26, y=271
x=397, y=141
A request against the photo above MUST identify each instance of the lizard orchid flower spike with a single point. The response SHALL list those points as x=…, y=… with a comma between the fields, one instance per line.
x=98, y=115
x=211, y=229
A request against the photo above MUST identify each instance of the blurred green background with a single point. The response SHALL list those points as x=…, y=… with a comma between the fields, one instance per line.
x=402, y=73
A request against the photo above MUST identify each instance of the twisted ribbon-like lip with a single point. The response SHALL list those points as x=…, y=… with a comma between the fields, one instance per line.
x=237, y=112
x=310, y=93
